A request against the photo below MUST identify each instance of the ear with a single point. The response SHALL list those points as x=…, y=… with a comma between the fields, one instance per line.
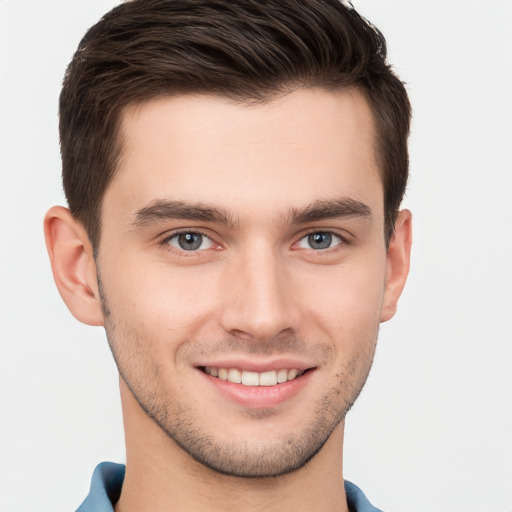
x=398, y=260
x=73, y=266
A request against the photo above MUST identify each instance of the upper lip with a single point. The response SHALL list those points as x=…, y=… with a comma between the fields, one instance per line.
x=255, y=365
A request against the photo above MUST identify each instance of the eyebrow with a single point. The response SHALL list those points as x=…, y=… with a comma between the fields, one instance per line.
x=329, y=209
x=159, y=210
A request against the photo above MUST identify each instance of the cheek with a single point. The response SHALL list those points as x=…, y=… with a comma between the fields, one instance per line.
x=347, y=299
x=159, y=299
x=152, y=314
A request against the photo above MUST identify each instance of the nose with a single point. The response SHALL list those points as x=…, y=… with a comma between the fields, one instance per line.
x=258, y=298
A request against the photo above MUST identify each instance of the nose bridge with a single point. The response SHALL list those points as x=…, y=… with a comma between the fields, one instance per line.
x=259, y=299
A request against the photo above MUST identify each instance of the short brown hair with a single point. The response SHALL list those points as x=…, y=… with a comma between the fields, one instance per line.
x=248, y=50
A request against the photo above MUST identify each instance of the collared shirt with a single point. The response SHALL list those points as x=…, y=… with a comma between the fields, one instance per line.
x=107, y=481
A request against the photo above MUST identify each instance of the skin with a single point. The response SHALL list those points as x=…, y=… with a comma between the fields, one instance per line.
x=259, y=180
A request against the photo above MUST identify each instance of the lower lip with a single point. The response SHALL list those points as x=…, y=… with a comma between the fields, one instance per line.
x=259, y=397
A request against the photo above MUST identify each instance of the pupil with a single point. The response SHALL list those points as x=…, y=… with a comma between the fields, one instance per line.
x=190, y=241
x=320, y=240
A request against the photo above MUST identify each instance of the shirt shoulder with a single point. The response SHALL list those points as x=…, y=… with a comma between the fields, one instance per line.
x=106, y=484
x=357, y=501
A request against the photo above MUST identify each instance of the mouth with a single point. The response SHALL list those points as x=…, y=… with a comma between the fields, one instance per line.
x=254, y=379
x=264, y=385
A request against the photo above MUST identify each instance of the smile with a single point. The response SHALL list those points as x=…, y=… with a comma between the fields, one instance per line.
x=248, y=378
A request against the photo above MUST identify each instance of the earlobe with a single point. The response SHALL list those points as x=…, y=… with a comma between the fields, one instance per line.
x=73, y=266
x=398, y=260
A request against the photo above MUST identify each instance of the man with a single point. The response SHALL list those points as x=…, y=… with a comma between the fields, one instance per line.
x=234, y=171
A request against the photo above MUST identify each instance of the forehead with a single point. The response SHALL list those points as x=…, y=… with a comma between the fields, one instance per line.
x=296, y=148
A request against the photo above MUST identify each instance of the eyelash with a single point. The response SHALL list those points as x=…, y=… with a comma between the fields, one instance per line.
x=343, y=241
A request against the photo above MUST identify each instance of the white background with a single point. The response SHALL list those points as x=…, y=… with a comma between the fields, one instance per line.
x=433, y=429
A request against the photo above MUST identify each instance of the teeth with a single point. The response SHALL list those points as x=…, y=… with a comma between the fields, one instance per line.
x=282, y=376
x=247, y=378
x=234, y=375
x=250, y=378
x=268, y=378
x=292, y=374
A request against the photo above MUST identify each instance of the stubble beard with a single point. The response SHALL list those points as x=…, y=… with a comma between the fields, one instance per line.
x=250, y=458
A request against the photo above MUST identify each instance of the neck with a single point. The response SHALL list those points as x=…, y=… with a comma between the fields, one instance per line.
x=161, y=476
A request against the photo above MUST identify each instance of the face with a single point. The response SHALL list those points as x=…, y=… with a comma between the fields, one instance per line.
x=243, y=272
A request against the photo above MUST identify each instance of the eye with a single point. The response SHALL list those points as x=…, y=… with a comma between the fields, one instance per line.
x=190, y=241
x=320, y=240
